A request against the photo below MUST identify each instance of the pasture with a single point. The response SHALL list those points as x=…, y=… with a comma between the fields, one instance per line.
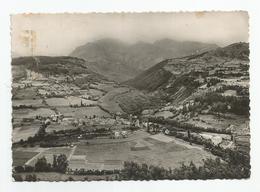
x=32, y=113
x=27, y=102
x=67, y=101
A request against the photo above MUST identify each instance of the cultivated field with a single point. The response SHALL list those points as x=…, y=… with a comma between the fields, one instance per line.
x=153, y=150
x=24, y=132
x=82, y=112
x=21, y=157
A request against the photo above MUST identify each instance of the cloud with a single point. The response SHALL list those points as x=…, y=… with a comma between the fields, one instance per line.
x=59, y=34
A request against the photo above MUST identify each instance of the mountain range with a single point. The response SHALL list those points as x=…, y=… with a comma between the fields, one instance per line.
x=120, y=61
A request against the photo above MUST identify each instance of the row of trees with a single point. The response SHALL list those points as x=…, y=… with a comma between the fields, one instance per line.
x=176, y=125
x=59, y=164
x=211, y=169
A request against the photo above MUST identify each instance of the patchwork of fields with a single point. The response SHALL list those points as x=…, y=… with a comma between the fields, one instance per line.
x=157, y=150
x=95, y=107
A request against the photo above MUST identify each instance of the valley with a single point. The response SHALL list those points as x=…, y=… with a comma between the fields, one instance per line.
x=181, y=110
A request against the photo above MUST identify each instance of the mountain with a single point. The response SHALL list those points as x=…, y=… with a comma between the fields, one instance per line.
x=63, y=65
x=120, y=61
x=180, y=77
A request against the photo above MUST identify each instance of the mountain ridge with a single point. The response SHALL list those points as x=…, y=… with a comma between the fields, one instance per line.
x=121, y=61
x=179, y=74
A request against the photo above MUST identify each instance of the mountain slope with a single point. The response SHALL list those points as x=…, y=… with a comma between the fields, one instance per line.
x=180, y=77
x=46, y=65
x=119, y=61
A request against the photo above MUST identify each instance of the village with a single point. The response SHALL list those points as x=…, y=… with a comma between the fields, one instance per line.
x=98, y=125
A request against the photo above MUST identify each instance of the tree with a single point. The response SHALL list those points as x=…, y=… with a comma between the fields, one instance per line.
x=41, y=132
x=42, y=165
x=28, y=168
x=54, y=163
x=62, y=163
x=19, y=169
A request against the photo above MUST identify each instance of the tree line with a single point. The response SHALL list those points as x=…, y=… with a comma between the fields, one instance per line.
x=59, y=164
x=211, y=169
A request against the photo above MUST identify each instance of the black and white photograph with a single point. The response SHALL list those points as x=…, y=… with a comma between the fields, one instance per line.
x=130, y=96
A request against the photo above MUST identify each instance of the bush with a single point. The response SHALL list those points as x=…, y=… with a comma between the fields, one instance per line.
x=19, y=169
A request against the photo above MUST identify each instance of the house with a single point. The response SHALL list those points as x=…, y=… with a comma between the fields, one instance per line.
x=137, y=123
x=203, y=87
x=117, y=134
x=200, y=80
x=167, y=131
x=124, y=134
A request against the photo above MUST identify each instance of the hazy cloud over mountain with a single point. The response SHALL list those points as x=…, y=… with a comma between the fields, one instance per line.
x=59, y=34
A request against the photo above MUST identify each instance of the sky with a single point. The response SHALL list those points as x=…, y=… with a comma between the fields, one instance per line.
x=60, y=34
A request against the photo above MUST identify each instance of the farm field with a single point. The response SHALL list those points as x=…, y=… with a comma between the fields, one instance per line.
x=31, y=113
x=57, y=102
x=157, y=150
x=24, y=132
x=28, y=102
x=67, y=101
x=21, y=157
x=77, y=101
x=27, y=93
x=110, y=154
x=81, y=112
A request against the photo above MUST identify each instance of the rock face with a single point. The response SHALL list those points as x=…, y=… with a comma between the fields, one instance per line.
x=120, y=61
x=179, y=77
